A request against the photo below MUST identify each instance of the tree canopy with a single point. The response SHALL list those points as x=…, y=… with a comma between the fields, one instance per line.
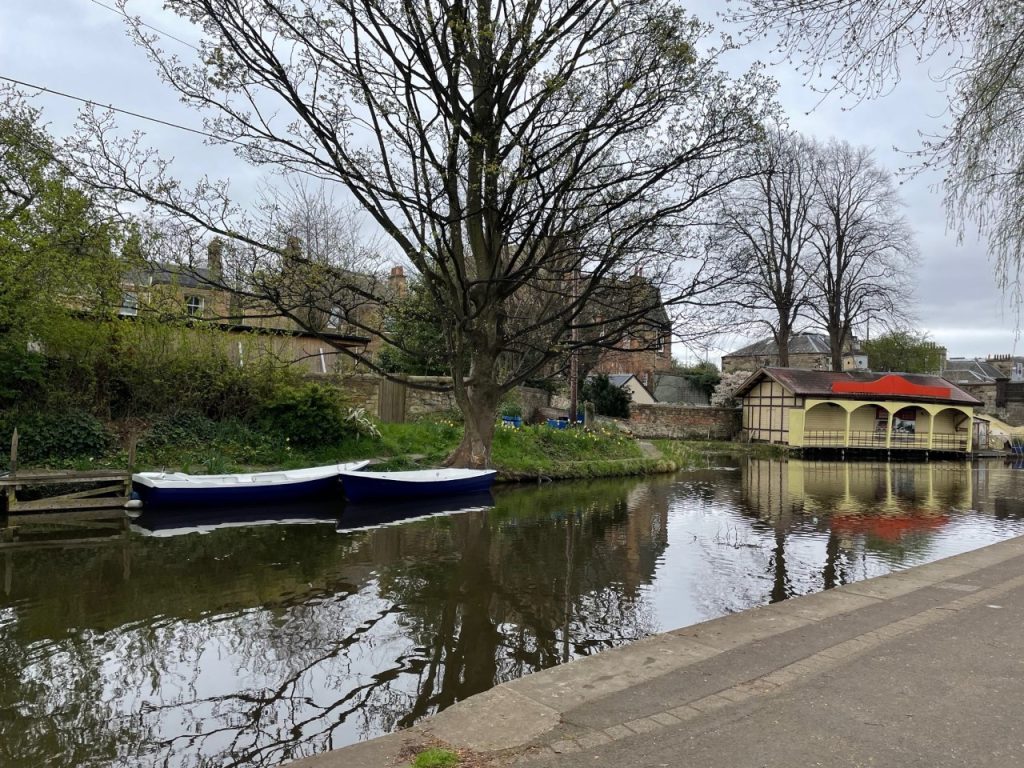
x=905, y=351
x=815, y=235
x=857, y=46
x=58, y=251
x=531, y=160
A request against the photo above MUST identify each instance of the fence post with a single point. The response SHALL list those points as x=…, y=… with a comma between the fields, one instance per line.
x=14, y=452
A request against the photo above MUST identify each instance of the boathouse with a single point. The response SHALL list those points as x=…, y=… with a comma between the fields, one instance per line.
x=857, y=410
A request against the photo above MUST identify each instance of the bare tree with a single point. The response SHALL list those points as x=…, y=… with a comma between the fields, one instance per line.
x=863, y=246
x=858, y=44
x=764, y=232
x=504, y=149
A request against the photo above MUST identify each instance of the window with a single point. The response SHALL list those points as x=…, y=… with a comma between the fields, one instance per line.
x=194, y=306
x=337, y=317
x=129, y=305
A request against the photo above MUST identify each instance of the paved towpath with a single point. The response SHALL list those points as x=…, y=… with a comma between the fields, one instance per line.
x=920, y=668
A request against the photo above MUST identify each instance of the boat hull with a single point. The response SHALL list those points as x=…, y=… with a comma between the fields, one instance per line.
x=255, y=494
x=158, y=489
x=363, y=487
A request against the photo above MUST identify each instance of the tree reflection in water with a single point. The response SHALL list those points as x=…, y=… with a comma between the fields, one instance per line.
x=254, y=646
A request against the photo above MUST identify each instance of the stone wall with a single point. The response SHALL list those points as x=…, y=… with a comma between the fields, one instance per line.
x=533, y=400
x=986, y=392
x=683, y=422
x=661, y=420
x=419, y=402
x=364, y=389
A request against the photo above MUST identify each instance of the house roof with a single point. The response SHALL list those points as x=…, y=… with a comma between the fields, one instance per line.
x=799, y=344
x=674, y=388
x=621, y=379
x=863, y=385
x=170, y=274
x=963, y=371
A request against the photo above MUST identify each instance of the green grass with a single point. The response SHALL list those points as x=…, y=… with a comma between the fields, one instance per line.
x=435, y=757
x=690, y=454
x=518, y=454
x=568, y=453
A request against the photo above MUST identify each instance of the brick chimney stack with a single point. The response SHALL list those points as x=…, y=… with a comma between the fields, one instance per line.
x=215, y=259
x=397, y=281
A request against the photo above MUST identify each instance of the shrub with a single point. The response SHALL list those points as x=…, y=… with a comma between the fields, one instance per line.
x=608, y=399
x=308, y=416
x=57, y=434
x=186, y=429
x=24, y=376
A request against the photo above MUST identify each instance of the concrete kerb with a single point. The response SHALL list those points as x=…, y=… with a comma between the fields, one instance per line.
x=530, y=712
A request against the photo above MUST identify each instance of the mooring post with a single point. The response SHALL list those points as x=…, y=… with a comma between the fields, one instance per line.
x=7, y=495
x=132, y=441
x=14, y=452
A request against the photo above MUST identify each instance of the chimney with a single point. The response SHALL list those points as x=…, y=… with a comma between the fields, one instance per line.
x=397, y=282
x=215, y=259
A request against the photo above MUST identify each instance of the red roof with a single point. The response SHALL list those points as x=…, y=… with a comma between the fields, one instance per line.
x=863, y=385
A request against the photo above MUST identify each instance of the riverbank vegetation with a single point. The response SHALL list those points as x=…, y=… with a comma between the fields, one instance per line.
x=86, y=394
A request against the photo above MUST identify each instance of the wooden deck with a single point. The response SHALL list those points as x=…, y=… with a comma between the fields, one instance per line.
x=109, y=489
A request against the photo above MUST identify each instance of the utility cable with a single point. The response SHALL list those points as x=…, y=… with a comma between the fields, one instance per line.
x=121, y=13
x=112, y=108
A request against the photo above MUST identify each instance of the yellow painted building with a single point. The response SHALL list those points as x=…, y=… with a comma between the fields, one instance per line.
x=857, y=410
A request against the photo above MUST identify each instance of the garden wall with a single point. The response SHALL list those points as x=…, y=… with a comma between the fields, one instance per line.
x=683, y=422
x=364, y=389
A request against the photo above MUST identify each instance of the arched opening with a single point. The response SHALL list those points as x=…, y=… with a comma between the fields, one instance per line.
x=825, y=425
x=911, y=426
x=951, y=430
x=868, y=424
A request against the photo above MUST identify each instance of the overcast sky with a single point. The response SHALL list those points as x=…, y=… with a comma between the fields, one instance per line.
x=80, y=47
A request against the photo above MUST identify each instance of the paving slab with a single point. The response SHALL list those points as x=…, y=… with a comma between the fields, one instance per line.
x=494, y=720
x=919, y=668
x=572, y=685
x=929, y=699
x=740, y=629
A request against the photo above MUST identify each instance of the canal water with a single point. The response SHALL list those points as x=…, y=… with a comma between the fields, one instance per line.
x=251, y=645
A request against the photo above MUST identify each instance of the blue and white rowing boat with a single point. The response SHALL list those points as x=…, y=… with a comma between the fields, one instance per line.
x=363, y=487
x=180, y=489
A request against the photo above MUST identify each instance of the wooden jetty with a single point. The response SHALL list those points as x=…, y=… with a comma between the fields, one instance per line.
x=109, y=488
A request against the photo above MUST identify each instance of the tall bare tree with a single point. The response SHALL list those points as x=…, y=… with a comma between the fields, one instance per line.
x=979, y=46
x=863, y=246
x=764, y=232
x=508, y=150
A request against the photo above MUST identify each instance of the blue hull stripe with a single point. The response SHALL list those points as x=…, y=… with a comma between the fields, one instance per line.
x=257, y=494
x=365, y=489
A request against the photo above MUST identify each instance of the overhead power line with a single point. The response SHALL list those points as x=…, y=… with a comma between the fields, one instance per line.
x=112, y=108
x=122, y=14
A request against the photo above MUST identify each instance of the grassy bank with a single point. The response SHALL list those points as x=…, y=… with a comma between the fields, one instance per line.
x=201, y=445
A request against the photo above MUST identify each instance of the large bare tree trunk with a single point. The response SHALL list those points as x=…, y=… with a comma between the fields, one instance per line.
x=782, y=338
x=479, y=406
x=478, y=394
x=837, y=340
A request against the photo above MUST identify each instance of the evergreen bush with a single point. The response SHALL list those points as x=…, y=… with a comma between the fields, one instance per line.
x=54, y=435
x=608, y=399
x=308, y=416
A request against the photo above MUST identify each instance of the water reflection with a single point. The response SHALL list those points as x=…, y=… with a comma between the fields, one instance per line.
x=255, y=645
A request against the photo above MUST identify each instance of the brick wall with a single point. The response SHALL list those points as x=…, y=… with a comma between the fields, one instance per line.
x=683, y=422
